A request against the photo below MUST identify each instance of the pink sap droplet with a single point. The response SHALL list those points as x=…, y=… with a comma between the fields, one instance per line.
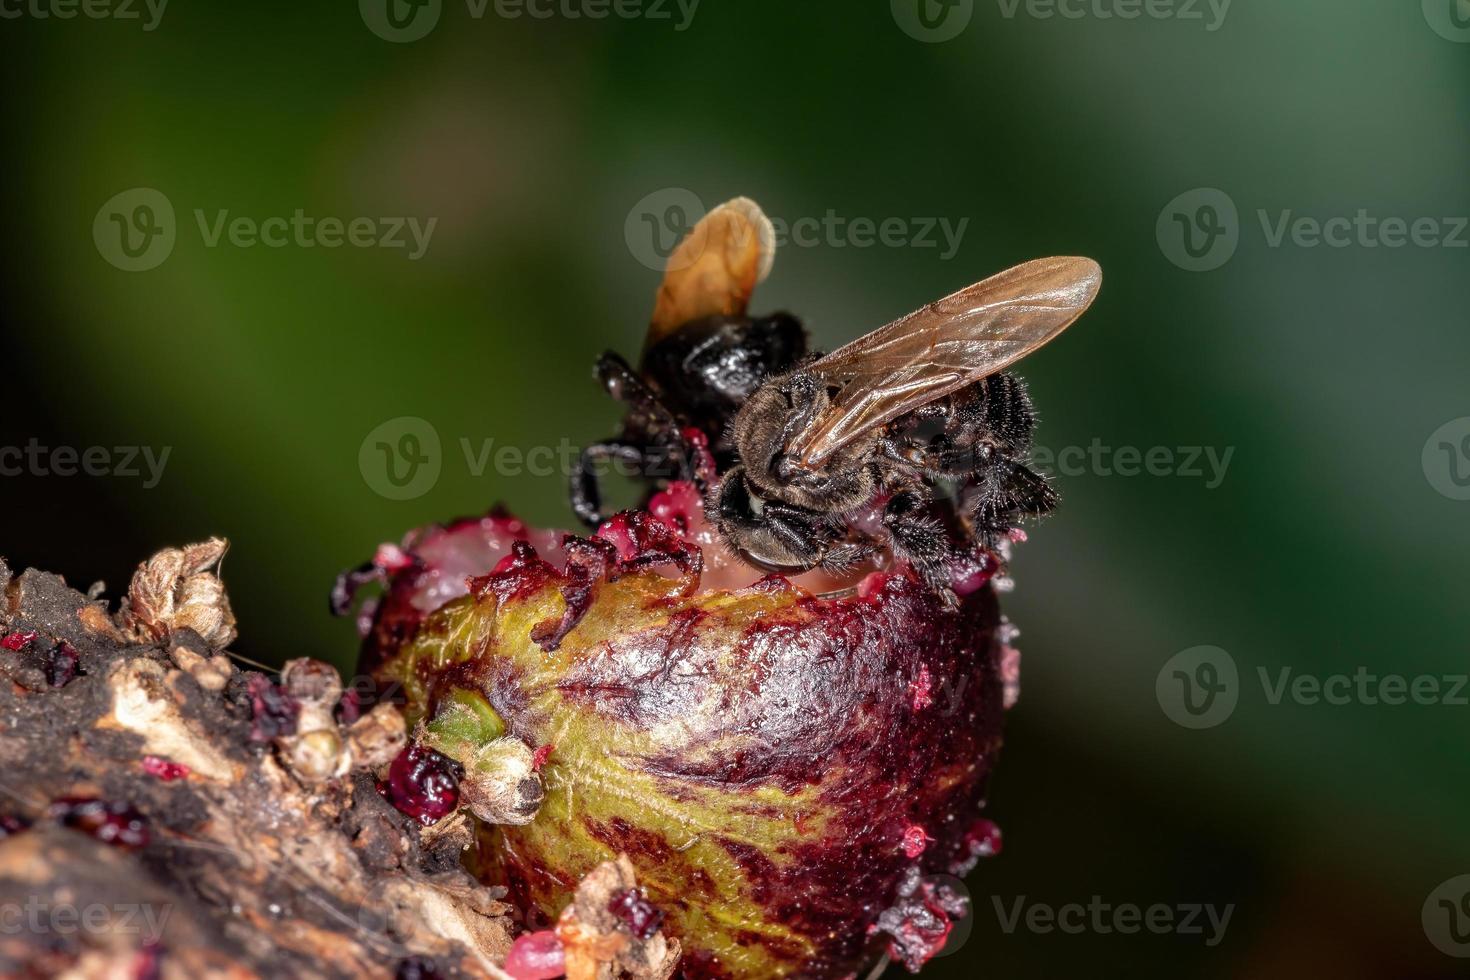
x=984, y=839
x=165, y=769
x=972, y=572
x=678, y=506
x=616, y=533
x=1010, y=675
x=536, y=956
x=921, y=689
x=915, y=841
x=391, y=557
x=872, y=584
x=18, y=641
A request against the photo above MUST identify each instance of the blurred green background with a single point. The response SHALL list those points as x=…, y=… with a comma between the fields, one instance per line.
x=549, y=151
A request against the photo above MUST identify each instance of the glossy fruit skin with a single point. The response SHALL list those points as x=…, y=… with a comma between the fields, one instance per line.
x=762, y=755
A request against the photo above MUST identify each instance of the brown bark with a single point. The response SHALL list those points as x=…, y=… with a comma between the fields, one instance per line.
x=273, y=855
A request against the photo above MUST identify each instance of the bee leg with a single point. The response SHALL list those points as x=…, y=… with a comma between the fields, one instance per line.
x=990, y=420
x=919, y=535
x=995, y=412
x=648, y=416
x=768, y=534
x=808, y=541
x=843, y=557
x=586, y=485
x=1006, y=492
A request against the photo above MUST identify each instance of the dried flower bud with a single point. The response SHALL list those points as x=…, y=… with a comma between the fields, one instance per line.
x=178, y=588
x=317, y=755
x=501, y=784
x=377, y=737
x=210, y=673
x=315, y=687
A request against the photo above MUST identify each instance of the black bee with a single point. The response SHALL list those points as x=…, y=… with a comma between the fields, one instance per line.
x=702, y=360
x=892, y=416
x=697, y=377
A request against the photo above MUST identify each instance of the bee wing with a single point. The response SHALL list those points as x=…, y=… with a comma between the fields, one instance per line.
x=948, y=344
x=715, y=268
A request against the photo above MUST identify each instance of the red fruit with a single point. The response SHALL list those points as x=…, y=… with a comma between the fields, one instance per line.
x=536, y=956
x=164, y=769
x=423, y=784
x=274, y=710
x=636, y=912
x=61, y=664
x=18, y=641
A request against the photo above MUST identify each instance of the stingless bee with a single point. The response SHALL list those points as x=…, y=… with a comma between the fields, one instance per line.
x=827, y=459
x=822, y=442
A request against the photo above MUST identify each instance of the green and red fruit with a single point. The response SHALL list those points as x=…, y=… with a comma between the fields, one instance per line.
x=787, y=763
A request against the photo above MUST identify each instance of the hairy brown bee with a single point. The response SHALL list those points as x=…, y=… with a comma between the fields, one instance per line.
x=891, y=416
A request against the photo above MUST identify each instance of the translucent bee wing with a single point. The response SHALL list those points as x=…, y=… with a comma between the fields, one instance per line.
x=948, y=344
x=715, y=268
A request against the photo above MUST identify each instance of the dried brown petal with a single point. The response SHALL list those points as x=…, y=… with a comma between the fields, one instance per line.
x=178, y=589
